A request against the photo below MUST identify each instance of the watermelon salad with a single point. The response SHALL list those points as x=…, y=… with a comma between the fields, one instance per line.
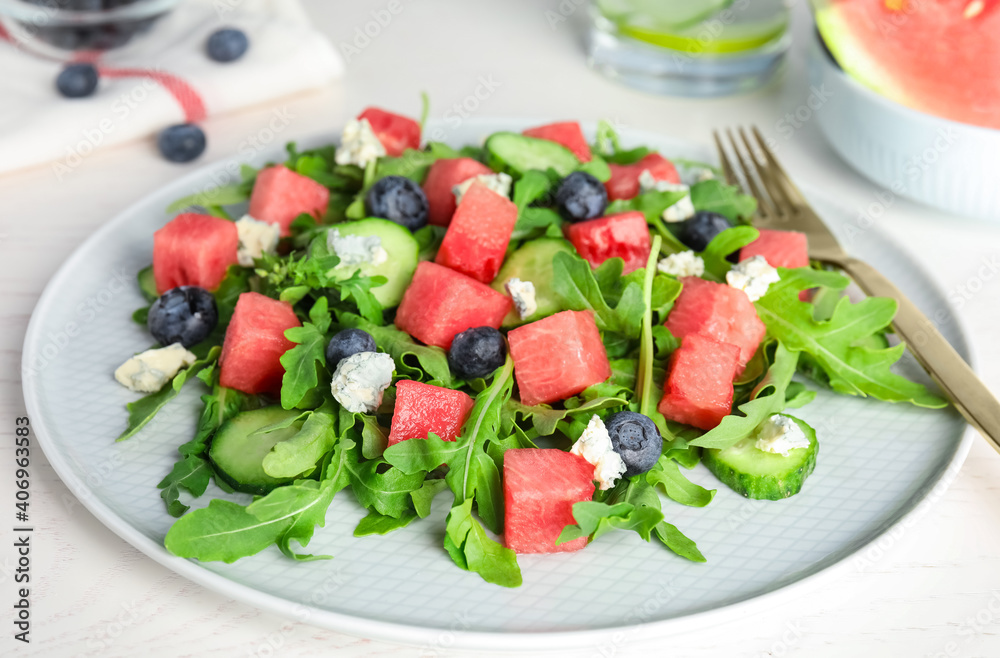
x=545, y=332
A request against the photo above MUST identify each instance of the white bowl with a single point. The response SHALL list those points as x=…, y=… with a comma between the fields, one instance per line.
x=946, y=164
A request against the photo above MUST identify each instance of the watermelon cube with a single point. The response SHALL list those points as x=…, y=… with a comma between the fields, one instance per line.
x=624, y=236
x=624, y=181
x=255, y=340
x=717, y=311
x=396, y=132
x=423, y=408
x=442, y=176
x=280, y=195
x=558, y=356
x=699, y=388
x=779, y=248
x=193, y=250
x=477, y=238
x=540, y=488
x=441, y=303
x=567, y=133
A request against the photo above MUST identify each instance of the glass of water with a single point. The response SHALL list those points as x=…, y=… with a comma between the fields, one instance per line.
x=689, y=47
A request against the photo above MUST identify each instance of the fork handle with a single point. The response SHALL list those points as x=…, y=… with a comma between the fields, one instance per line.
x=960, y=384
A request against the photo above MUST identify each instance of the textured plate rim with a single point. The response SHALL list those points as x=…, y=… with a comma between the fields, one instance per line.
x=400, y=632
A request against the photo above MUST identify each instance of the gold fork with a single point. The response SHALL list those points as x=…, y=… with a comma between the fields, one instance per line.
x=781, y=205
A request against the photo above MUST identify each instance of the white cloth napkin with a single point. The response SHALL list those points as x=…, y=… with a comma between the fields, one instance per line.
x=286, y=56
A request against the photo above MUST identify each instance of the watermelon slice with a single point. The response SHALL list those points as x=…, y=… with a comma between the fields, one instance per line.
x=940, y=57
x=717, y=311
x=422, y=408
x=539, y=490
x=254, y=343
x=624, y=181
x=699, y=388
x=441, y=303
x=193, y=250
x=280, y=195
x=442, y=176
x=779, y=248
x=567, y=133
x=557, y=357
x=396, y=132
x=624, y=236
x=477, y=238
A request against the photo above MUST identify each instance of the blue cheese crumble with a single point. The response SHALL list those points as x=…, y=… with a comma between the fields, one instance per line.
x=354, y=250
x=753, y=276
x=360, y=380
x=256, y=239
x=594, y=445
x=523, y=294
x=684, y=263
x=780, y=435
x=499, y=183
x=150, y=371
x=359, y=144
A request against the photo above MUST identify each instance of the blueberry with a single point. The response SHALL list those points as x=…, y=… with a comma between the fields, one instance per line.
x=77, y=80
x=477, y=352
x=398, y=199
x=699, y=230
x=185, y=315
x=636, y=439
x=227, y=45
x=181, y=143
x=581, y=196
x=347, y=342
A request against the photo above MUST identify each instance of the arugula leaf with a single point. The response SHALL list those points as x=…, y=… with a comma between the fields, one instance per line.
x=644, y=376
x=594, y=518
x=724, y=244
x=675, y=540
x=652, y=205
x=142, y=410
x=191, y=473
x=473, y=550
x=574, y=282
x=597, y=168
x=425, y=495
x=852, y=369
x=429, y=240
x=305, y=503
x=301, y=361
x=715, y=196
x=767, y=398
x=532, y=186
x=677, y=487
x=379, y=524
x=413, y=361
x=227, y=195
x=798, y=396
x=545, y=419
x=301, y=452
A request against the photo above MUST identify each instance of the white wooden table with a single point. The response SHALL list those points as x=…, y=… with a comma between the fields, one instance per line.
x=931, y=590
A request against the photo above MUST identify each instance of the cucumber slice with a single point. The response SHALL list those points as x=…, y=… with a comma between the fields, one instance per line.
x=147, y=283
x=520, y=153
x=533, y=262
x=238, y=453
x=763, y=475
x=398, y=268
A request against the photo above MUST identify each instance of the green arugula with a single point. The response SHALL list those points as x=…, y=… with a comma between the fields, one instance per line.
x=545, y=419
x=301, y=452
x=303, y=361
x=677, y=487
x=472, y=550
x=379, y=524
x=652, y=205
x=424, y=363
x=190, y=473
x=728, y=200
x=724, y=244
x=574, y=282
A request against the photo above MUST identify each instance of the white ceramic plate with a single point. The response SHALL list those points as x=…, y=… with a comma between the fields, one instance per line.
x=877, y=462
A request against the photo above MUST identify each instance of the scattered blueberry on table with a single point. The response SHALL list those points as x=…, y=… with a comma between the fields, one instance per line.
x=227, y=45
x=185, y=315
x=77, y=80
x=182, y=143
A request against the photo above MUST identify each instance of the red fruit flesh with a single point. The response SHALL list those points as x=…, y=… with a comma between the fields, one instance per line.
x=624, y=236
x=477, y=238
x=557, y=357
x=280, y=195
x=442, y=176
x=396, y=132
x=699, y=389
x=193, y=250
x=539, y=490
x=255, y=340
x=567, y=133
x=624, y=181
x=422, y=408
x=779, y=248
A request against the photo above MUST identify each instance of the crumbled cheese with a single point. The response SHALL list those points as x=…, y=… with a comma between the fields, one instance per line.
x=499, y=183
x=523, y=294
x=356, y=250
x=594, y=445
x=359, y=144
x=256, y=239
x=685, y=263
x=753, y=276
x=780, y=435
x=149, y=371
x=649, y=184
x=361, y=379
x=703, y=174
x=681, y=210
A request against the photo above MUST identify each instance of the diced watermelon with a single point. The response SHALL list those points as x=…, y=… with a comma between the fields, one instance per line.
x=779, y=248
x=624, y=181
x=442, y=176
x=539, y=490
x=254, y=343
x=423, y=408
x=193, y=250
x=396, y=132
x=477, y=238
x=280, y=195
x=567, y=133
x=717, y=311
x=624, y=235
x=699, y=388
x=558, y=356
x=441, y=302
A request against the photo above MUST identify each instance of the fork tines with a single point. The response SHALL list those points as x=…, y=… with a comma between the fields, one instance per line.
x=754, y=167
